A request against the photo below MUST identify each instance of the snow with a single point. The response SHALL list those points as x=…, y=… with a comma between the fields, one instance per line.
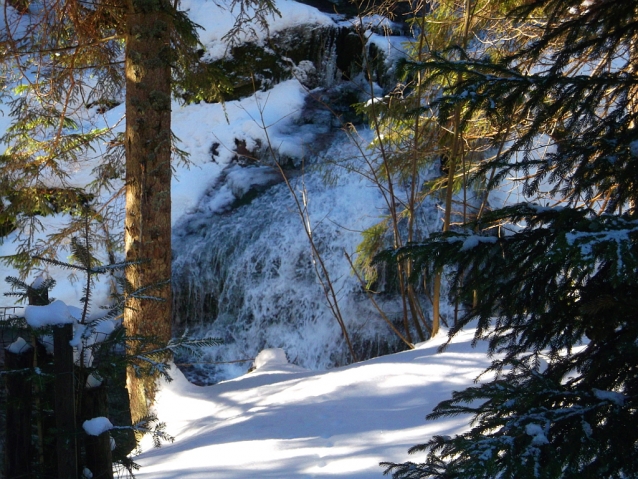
x=587, y=240
x=266, y=115
x=86, y=335
x=105, y=327
x=281, y=420
x=92, y=381
x=278, y=423
x=54, y=314
x=78, y=332
x=537, y=433
x=18, y=346
x=197, y=126
x=216, y=20
x=96, y=426
x=272, y=357
x=474, y=240
x=611, y=396
x=38, y=282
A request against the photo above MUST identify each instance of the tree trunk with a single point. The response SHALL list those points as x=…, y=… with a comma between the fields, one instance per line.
x=148, y=179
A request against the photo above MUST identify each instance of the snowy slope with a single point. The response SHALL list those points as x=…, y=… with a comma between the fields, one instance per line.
x=281, y=421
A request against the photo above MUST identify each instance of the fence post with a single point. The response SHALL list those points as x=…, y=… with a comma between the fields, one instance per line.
x=44, y=397
x=99, y=459
x=45, y=415
x=18, y=452
x=65, y=402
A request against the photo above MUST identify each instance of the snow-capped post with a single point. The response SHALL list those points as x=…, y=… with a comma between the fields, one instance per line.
x=57, y=316
x=38, y=295
x=99, y=459
x=18, y=450
x=65, y=401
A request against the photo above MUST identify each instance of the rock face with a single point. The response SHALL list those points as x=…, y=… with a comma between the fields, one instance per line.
x=318, y=56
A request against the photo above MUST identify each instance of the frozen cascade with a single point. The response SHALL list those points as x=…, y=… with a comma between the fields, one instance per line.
x=247, y=276
x=245, y=273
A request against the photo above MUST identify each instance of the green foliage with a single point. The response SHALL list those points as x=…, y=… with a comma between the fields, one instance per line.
x=249, y=16
x=421, y=150
x=548, y=428
x=373, y=242
x=564, y=292
x=556, y=290
x=68, y=59
x=45, y=201
x=581, y=96
x=204, y=82
x=193, y=79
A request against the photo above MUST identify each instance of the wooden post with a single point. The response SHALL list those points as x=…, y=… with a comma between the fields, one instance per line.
x=37, y=297
x=44, y=398
x=18, y=449
x=98, y=448
x=65, y=402
x=44, y=390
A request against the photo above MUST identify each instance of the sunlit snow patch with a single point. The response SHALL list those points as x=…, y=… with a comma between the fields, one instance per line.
x=274, y=360
x=96, y=426
x=55, y=313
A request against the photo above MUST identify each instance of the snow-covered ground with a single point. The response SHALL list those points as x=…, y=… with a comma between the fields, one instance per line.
x=281, y=421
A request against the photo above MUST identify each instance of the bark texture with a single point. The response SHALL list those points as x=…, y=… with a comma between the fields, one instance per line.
x=148, y=178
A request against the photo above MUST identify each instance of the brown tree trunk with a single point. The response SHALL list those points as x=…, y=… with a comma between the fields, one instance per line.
x=148, y=180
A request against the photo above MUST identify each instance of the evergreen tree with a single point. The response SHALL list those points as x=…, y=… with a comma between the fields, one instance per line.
x=63, y=57
x=58, y=60
x=158, y=37
x=556, y=290
x=416, y=152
